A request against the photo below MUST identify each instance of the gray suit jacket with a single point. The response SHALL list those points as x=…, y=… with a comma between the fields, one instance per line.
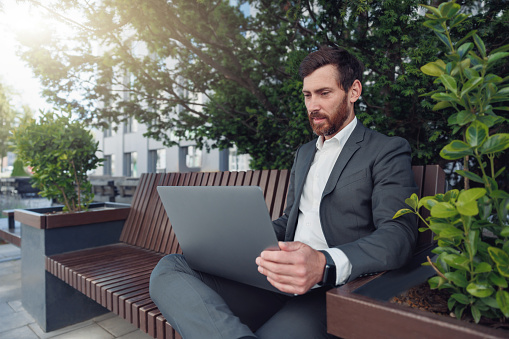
x=368, y=184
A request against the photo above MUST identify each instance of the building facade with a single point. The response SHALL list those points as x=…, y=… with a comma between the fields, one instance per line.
x=127, y=152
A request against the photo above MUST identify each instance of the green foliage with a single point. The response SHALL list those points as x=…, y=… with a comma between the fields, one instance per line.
x=232, y=77
x=61, y=152
x=471, y=225
x=18, y=169
x=7, y=118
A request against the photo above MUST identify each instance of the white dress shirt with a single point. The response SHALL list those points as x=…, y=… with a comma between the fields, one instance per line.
x=309, y=228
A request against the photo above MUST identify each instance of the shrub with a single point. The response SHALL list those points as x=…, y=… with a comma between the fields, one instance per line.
x=61, y=152
x=470, y=225
x=18, y=170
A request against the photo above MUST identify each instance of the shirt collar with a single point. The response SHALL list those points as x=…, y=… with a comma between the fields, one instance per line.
x=341, y=137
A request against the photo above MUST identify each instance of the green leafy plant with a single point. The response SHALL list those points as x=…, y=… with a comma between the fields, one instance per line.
x=470, y=225
x=60, y=152
x=18, y=170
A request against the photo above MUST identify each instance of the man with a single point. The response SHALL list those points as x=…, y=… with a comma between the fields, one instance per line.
x=344, y=189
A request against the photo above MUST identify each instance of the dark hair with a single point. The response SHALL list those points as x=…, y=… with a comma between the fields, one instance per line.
x=348, y=67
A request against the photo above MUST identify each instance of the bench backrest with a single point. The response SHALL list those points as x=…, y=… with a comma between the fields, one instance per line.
x=148, y=226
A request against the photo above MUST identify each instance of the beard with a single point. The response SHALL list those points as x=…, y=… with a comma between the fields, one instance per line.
x=332, y=123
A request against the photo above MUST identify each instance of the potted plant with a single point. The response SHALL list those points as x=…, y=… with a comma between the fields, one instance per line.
x=470, y=225
x=60, y=152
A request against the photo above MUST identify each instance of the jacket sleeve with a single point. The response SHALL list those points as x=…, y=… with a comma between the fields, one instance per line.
x=392, y=241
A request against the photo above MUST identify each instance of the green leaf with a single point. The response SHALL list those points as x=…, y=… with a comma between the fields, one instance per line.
x=503, y=91
x=448, y=9
x=465, y=117
x=458, y=19
x=480, y=290
x=499, y=194
x=482, y=267
x=427, y=202
x=470, y=85
x=432, y=9
x=413, y=201
x=435, y=25
x=455, y=150
x=476, y=134
x=449, y=82
x=402, y=212
x=497, y=56
x=445, y=97
x=444, y=39
x=451, y=195
x=471, y=194
x=480, y=45
x=503, y=302
x=500, y=49
x=495, y=143
x=441, y=105
x=501, y=259
x=464, y=49
x=461, y=298
x=470, y=176
x=497, y=280
x=457, y=261
x=449, y=232
x=476, y=314
x=450, y=303
x=490, y=301
x=505, y=232
x=443, y=210
x=457, y=278
x=469, y=208
x=434, y=69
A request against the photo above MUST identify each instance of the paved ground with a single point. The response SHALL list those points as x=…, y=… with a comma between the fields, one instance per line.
x=16, y=323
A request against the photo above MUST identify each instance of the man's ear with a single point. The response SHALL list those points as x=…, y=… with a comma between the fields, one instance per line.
x=355, y=91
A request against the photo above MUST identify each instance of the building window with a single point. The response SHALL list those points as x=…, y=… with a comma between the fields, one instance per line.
x=193, y=157
x=107, y=132
x=130, y=125
x=109, y=164
x=131, y=164
x=238, y=162
x=189, y=159
x=157, y=161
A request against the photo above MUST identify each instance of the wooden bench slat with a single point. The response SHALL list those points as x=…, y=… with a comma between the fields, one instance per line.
x=137, y=207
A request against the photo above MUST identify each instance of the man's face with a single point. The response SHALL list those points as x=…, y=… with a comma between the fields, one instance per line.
x=329, y=109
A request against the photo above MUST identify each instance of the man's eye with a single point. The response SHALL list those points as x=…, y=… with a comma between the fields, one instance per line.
x=325, y=93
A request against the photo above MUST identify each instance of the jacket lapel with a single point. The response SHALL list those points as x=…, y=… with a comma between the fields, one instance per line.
x=303, y=169
x=351, y=146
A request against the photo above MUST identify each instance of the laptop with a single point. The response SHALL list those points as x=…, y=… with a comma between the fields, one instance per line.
x=222, y=229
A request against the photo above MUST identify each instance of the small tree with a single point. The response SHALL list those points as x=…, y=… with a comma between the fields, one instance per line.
x=61, y=152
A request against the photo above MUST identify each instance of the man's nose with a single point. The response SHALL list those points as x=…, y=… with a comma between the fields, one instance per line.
x=313, y=104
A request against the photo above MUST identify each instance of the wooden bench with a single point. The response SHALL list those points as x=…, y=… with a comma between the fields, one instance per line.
x=8, y=231
x=117, y=276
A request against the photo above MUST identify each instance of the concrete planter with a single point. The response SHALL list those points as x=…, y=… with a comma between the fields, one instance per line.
x=50, y=301
x=363, y=310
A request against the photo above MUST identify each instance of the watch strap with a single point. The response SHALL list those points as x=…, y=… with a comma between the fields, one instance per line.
x=329, y=274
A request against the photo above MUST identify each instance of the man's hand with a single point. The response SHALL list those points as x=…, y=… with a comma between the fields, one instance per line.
x=294, y=269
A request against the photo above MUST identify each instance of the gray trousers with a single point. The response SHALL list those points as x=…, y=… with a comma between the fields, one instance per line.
x=200, y=305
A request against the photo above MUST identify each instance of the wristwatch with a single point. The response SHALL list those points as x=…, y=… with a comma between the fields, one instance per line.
x=329, y=273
